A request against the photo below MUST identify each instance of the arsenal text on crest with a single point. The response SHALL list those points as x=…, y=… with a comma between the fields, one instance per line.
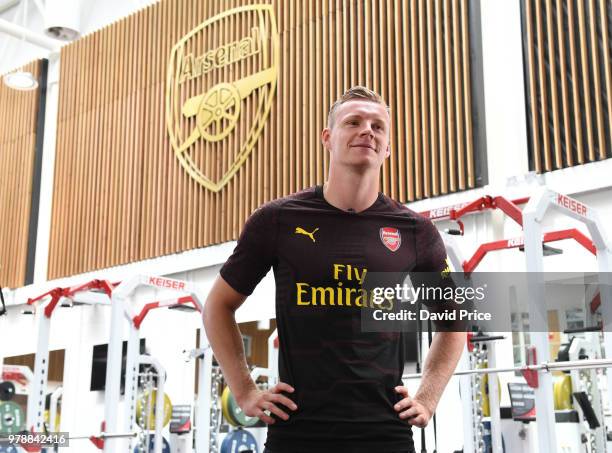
x=226, y=54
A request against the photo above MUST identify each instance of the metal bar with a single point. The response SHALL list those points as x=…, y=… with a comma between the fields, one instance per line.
x=159, y=398
x=29, y=36
x=105, y=435
x=38, y=389
x=546, y=366
x=496, y=435
x=7, y=4
x=503, y=244
x=443, y=213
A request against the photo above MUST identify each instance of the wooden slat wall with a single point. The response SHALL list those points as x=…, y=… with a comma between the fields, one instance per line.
x=18, y=110
x=567, y=52
x=120, y=193
x=55, y=372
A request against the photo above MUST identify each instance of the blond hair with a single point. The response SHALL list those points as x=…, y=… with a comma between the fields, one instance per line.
x=359, y=93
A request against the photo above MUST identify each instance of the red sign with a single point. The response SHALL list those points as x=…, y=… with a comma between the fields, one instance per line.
x=571, y=204
x=391, y=238
x=439, y=213
x=166, y=283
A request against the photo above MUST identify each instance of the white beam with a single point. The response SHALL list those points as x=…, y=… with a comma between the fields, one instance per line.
x=37, y=39
x=7, y=4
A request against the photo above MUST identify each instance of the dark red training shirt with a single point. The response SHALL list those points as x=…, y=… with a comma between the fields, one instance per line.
x=344, y=378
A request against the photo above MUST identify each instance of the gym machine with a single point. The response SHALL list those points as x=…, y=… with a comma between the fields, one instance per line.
x=534, y=243
x=583, y=385
x=123, y=302
x=533, y=215
x=91, y=293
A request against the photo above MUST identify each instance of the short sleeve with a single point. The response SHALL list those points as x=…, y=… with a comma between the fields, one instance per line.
x=431, y=252
x=433, y=272
x=254, y=254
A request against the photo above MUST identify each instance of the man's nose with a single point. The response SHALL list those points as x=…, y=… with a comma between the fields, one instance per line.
x=367, y=129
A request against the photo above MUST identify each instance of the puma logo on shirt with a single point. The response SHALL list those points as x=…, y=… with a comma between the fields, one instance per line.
x=300, y=230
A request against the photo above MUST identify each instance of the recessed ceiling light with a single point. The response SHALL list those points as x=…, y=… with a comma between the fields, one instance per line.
x=20, y=80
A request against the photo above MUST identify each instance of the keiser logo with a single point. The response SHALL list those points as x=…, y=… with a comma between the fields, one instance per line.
x=214, y=90
x=443, y=212
x=571, y=204
x=166, y=283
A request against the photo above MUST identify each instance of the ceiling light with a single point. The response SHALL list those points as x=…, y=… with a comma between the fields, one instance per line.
x=20, y=80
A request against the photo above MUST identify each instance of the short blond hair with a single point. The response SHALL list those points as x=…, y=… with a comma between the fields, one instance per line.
x=359, y=93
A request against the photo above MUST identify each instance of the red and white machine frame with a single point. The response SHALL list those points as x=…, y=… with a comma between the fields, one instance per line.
x=44, y=306
x=530, y=219
x=122, y=303
x=533, y=214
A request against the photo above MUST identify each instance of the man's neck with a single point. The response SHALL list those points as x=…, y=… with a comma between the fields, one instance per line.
x=355, y=192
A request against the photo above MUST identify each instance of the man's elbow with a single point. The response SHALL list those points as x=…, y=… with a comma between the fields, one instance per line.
x=216, y=307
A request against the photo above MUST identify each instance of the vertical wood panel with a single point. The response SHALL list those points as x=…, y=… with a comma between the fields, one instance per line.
x=121, y=195
x=575, y=85
x=542, y=88
x=569, y=96
x=607, y=52
x=458, y=95
x=553, y=84
x=18, y=110
x=601, y=141
x=560, y=38
x=450, y=94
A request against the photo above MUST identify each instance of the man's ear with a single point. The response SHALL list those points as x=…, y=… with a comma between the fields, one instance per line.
x=388, y=152
x=325, y=138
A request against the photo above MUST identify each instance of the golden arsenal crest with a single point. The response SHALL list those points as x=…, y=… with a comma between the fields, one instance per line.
x=220, y=85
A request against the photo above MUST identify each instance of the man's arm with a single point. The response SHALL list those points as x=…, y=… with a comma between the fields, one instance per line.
x=225, y=339
x=440, y=364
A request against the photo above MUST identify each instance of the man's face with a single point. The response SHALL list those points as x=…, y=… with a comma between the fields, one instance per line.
x=359, y=136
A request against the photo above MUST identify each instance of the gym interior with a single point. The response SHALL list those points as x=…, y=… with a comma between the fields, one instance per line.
x=137, y=137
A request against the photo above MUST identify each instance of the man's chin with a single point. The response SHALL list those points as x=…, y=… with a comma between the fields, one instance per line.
x=365, y=163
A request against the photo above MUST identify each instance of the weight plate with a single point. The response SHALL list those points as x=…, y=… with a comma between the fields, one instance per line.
x=562, y=391
x=239, y=440
x=165, y=447
x=11, y=418
x=484, y=390
x=8, y=448
x=146, y=403
x=232, y=411
x=46, y=416
x=7, y=391
x=225, y=408
x=241, y=418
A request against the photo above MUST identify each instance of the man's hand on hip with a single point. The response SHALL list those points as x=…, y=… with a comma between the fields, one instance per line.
x=260, y=403
x=411, y=409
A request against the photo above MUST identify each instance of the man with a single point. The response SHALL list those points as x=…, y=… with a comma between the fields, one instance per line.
x=340, y=388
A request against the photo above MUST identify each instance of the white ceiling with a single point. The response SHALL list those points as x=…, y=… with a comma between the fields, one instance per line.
x=94, y=15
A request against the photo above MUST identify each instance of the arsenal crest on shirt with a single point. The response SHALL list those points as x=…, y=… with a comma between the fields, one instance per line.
x=391, y=238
